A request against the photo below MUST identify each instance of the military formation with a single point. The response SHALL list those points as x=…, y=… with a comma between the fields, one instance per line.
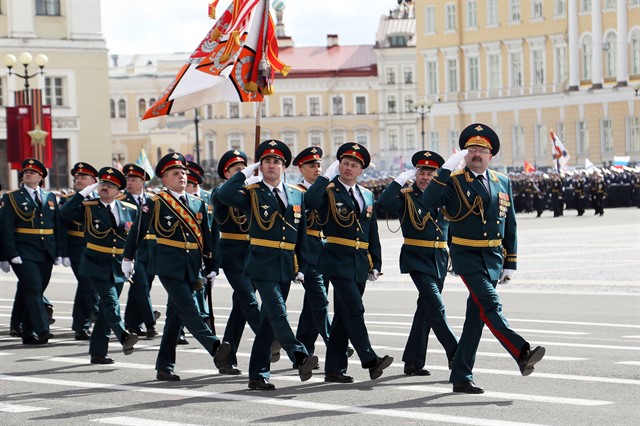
x=265, y=235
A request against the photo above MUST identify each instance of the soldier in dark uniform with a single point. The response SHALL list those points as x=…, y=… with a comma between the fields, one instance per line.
x=232, y=248
x=314, y=318
x=598, y=194
x=139, y=307
x=578, y=193
x=32, y=241
x=85, y=303
x=106, y=222
x=557, y=195
x=478, y=203
x=183, y=244
x=424, y=256
x=276, y=218
x=351, y=255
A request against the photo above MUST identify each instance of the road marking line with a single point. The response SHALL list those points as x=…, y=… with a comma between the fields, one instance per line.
x=629, y=362
x=16, y=408
x=137, y=421
x=275, y=401
x=488, y=354
x=631, y=337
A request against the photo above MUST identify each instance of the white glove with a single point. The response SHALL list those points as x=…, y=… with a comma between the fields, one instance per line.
x=299, y=278
x=506, y=276
x=253, y=179
x=332, y=170
x=127, y=268
x=212, y=277
x=406, y=176
x=17, y=260
x=248, y=171
x=373, y=275
x=66, y=262
x=89, y=189
x=456, y=158
x=4, y=265
x=57, y=261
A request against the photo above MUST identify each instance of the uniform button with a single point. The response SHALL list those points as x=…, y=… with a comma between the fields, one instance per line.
x=187, y=251
x=484, y=222
x=485, y=234
x=357, y=229
x=283, y=238
x=437, y=238
x=186, y=233
x=497, y=222
x=498, y=234
x=284, y=229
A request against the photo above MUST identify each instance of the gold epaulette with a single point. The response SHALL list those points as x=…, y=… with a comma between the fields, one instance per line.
x=331, y=185
x=456, y=173
x=11, y=192
x=130, y=205
x=155, y=197
x=497, y=173
x=252, y=186
x=69, y=195
x=121, y=197
x=406, y=190
x=90, y=202
x=296, y=187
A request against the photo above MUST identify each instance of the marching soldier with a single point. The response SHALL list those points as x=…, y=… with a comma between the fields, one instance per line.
x=351, y=255
x=85, y=303
x=598, y=194
x=183, y=244
x=139, y=307
x=478, y=204
x=232, y=248
x=314, y=318
x=424, y=256
x=579, y=193
x=32, y=241
x=276, y=218
x=557, y=196
x=106, y=222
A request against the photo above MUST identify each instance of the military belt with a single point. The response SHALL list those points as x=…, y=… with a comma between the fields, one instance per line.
x=273, y=244
x=102, y=249
x=425, y=243
x=75, y=233
x=357, y=244
x=475, y=243
x=178, y=244
x=34, y=231
x=233, y=236
x=315, y=233
x=150, y=237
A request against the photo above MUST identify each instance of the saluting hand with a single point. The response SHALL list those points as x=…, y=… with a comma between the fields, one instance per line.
x=406, y=176
x=332, y=170
x=250, y=169
x=455, y=159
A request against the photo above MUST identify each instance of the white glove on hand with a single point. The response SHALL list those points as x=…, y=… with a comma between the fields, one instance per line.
x=456, y=158
x=332, y=170
x=249, y=170
x=506, y=276
x=212, y=277
x=299, y=278
x=89, y=189
x=17, y=260
x=57, y=261
x=253, y=179
x=4, y=265
x=66, y=262
x=405, y=176
x=373, y=275
x=127, y=268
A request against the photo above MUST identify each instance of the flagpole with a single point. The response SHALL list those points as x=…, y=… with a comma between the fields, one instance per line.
x=257, y=137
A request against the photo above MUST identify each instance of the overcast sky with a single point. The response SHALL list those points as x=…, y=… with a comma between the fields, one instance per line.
x=167, y=26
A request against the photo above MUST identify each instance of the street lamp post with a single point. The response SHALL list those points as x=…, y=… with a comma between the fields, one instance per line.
x=25, y=59
x=423, y=108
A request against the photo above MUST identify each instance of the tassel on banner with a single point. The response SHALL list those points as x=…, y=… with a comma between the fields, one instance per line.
x=234, y=40
x=212, y=9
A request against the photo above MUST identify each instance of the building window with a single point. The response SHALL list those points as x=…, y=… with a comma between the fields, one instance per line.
x=434, y=140
x=122, y=109
x=392, y=136
x=362, y=137
x=410, y=138
x=474, y=74
x=337, y=103
x=399, y=41
x=314, y=105
x=430, y=19
x=540, y=141
x=112, y=107
x=361, y=105
x=234, y=110
x=514, y=11
x=339, y=139
x=48, y=7
x=494, y=74
x=289, y=138
x=560, y=8
x=472, y=14
x=235, y=141
x=54, y=91
x=492, y=12
x=408, y=75
x=287, y=107
x=432, y=77
x=560, y=133
x=610, y=55
x=208, y=112
x=315, y=138
x=391, y=104
x=560, y=65
x=633, y=135
x=515, y=74
x=518, y=142
x=582, y=142
x=142, y=107
x=391, y=76
x=452, y=75
x=610, y=4
x=586, y=53
x=453, y=140
x=536, y=9
x=538, y=67
x=607, y=136
x=408, y=104
x=634, y=45
x=585, y=6
x=450, y=23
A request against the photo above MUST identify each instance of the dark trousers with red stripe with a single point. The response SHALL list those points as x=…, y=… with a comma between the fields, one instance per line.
x=483, y=307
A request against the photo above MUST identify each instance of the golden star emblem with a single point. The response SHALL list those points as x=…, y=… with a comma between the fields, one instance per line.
x=37, y=135
x=176, y=156
x=313, y=150
x=427, y=154
x=110, y=171
x=236, y=152
x=356, y=147
x=273, y=143
x=80, y=165
x=479, y=128
x=31, y=161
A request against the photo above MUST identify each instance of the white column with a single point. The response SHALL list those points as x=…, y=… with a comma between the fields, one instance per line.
x=622, y=48
x=596, y=31
x=84, y=20
x=574, y=49
x=20, y=19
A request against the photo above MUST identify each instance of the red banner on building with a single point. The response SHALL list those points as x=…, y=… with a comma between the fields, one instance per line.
x=19, y=124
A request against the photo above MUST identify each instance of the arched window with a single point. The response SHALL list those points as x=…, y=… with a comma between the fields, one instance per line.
x=142, y=107
x=585, y=55
x=634, y=57
x=122, y=108
x=610, y=46
x=112, y=107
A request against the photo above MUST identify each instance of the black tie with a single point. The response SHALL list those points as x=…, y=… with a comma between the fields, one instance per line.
x=481, y=179
x=38, y=202
x=279, y=200
x=183, y=200
x=356, y=206
x=113, y=218
x=140, y=201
